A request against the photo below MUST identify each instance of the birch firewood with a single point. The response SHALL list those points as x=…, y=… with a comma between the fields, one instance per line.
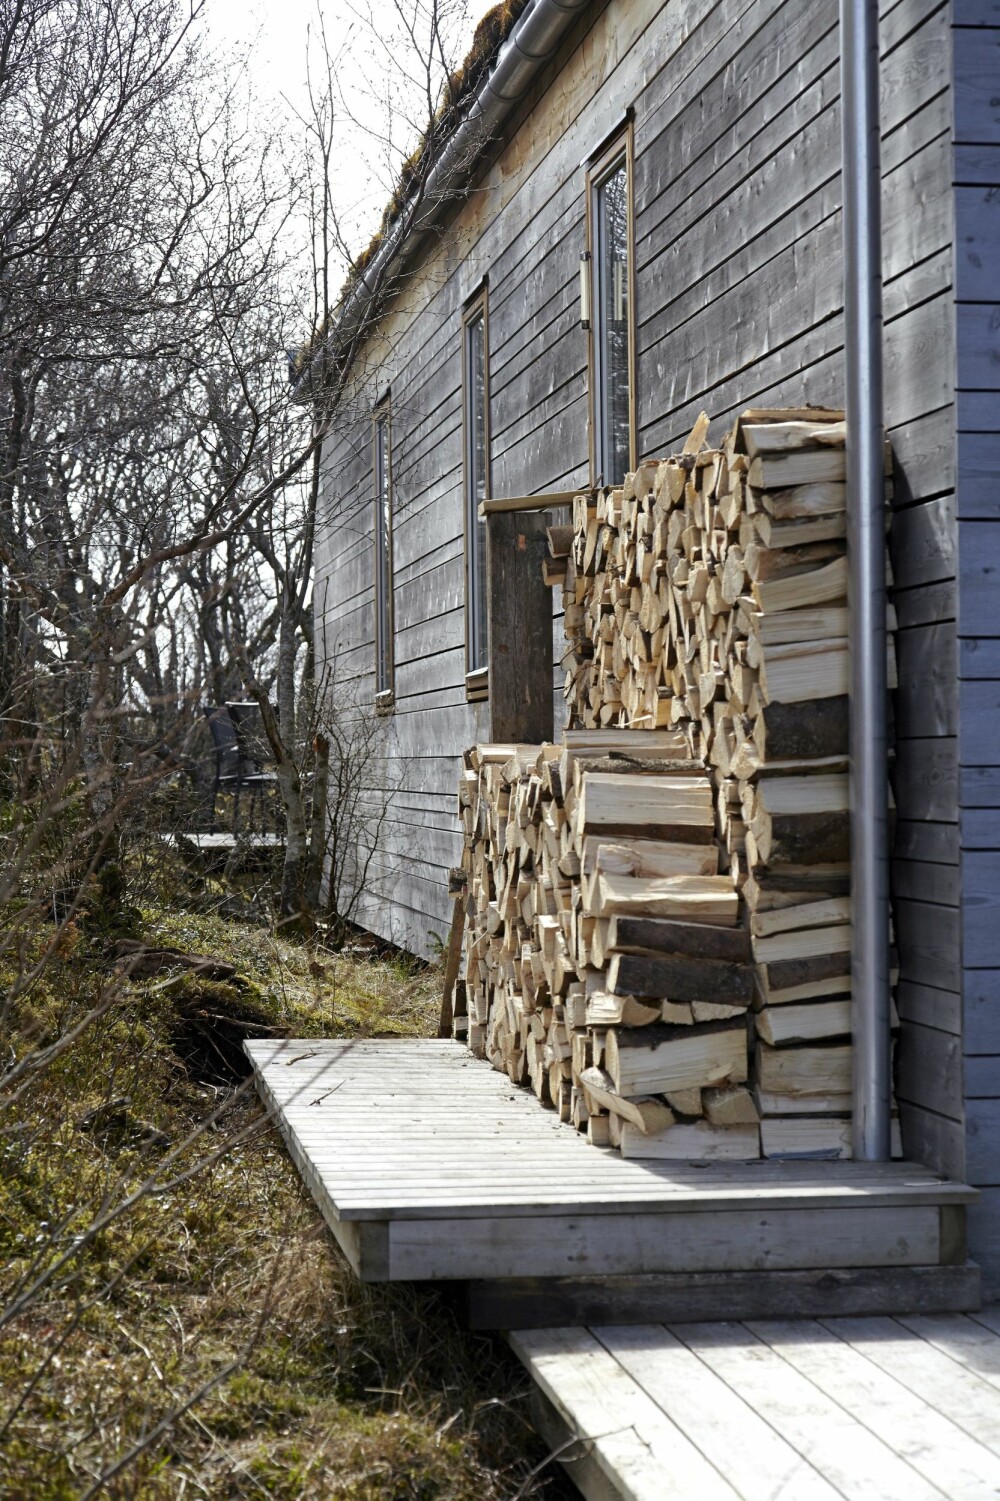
x=663, y=897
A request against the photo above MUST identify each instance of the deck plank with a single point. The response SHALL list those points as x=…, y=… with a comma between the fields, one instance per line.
x=721, y=1423
x=946, y=1385
x=780, y=1410
x=633, y=1439
x=962, y=1338
x=989, y=1318
x=856, y=1461
x=935, y=1446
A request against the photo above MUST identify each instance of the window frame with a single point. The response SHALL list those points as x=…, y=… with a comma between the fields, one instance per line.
x=620, y=148
x=476, y=674
x=384, y=614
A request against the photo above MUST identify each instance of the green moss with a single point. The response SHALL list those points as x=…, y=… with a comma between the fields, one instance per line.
x=490, y=35
x=339, y=1390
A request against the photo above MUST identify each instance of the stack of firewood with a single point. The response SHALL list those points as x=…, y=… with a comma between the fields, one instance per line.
x=605, y=963
x=705, y=606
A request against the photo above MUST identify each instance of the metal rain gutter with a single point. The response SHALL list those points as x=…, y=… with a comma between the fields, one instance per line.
x=866, y=590
x=531, y=44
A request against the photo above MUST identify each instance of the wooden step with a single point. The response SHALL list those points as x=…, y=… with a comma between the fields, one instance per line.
x=867, y=1409
x=430, y=1165
x=691, y=1297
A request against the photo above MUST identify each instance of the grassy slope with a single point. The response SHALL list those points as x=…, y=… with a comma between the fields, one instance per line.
x=322, y=1387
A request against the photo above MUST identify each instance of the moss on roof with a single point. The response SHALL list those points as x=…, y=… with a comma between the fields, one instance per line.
x=462, y=85
x=490, y=35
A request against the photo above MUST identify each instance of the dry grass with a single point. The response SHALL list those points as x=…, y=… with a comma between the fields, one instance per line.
x=225, y=1283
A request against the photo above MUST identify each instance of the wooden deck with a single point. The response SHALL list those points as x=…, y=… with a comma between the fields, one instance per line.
x=223, y=850
x=868, y=1409
x=429, y=1165
x=225, y=843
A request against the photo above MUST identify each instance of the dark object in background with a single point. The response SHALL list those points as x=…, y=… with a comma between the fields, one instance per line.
x=242, y=754
x=212, y=1022
x=140, y=961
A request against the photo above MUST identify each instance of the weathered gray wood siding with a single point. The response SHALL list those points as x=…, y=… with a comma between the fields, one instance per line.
x=739, y=301
x=976, y=61
x=523, y=228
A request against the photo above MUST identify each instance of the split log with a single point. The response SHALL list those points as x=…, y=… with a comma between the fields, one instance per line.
x=654, y=1060
x=679, y=978
x=693, y=1141
x=649, y=935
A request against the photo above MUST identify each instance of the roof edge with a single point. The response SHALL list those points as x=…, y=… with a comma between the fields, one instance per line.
x=532, y=42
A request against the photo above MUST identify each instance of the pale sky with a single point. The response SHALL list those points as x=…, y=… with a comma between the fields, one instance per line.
x=379, y=72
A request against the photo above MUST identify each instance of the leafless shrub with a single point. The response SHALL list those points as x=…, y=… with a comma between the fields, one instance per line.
x=158, y=503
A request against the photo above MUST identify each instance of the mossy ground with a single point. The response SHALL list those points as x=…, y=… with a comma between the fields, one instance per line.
x=224, y=1282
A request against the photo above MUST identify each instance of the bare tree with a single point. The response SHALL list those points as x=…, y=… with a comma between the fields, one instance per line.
x=417, y=98
x=159, y=495
x=144, y=421
x=142, y=370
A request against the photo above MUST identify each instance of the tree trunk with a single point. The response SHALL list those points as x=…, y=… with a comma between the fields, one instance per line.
x=317, y=831
x=293, y=901
x=285, y=678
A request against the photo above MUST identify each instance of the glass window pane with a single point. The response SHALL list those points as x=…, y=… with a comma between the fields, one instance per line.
x=612, y=364
x=383, y=557
x=476, y=470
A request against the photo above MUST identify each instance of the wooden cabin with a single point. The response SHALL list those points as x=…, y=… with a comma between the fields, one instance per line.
x=686, y=156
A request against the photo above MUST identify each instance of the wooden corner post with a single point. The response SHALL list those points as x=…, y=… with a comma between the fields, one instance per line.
x=520, y=628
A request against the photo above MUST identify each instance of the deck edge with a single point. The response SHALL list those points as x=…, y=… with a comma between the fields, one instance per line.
x=705, y=1297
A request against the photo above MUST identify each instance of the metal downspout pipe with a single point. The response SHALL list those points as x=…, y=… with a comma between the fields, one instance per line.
x=862, y=185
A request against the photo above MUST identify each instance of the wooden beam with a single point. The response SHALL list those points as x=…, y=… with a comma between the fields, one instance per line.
x=546, y=500
x=572, y=1451
x=737, y=1240
x=453, y=957
x=520, y=629
x=691, y=1297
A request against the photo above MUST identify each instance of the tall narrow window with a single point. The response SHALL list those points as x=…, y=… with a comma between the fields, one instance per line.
x=382, y=467
x=475, y=385
x=612, y=316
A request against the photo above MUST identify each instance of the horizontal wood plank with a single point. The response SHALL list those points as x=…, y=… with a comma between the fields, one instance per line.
x=927, y=698
x=981, y=909
x=925, y=778
x=631, y=1439
x=928, y=943
x=740, y=1240
x=982, y=1011
x=929, y=1069
x=946, y=1384
x=866, y=1409
x=939, y=1451
x=982, y=1127
x=725, y=1424
x=693, y=1297
x=934, y=1139
x=862, y=1465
